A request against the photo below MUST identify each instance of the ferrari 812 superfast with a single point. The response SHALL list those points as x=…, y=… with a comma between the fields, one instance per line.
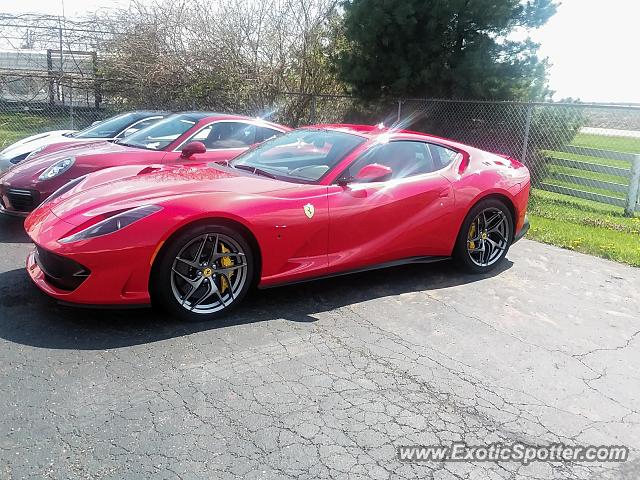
x=314, y=202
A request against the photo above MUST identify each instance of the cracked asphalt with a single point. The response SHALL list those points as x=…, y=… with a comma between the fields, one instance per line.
x=326, y=379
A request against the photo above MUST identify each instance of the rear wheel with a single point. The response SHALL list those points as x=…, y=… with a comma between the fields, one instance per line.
x=203, y=273
x=485, y=237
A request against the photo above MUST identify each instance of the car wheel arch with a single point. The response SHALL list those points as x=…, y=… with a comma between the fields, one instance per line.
x=236, y=225
x=496, y=196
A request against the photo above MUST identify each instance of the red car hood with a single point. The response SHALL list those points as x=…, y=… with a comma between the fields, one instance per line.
x=107, y=191
x=70, y=145
x=88, y=157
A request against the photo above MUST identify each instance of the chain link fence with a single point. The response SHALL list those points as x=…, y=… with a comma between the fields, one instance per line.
x=588, y=151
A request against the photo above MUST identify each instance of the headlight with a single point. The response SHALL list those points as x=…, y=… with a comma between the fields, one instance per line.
x=57, y=168
x=35, y=152
x=112, y=224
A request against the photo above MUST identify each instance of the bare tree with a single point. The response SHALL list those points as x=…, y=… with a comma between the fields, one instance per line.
x=227, y=55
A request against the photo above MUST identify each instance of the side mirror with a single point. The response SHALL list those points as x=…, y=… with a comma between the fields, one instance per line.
x=93, y=124
x=192, y=148
x=373, y=173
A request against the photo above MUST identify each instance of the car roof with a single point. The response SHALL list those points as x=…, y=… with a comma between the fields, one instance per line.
x=375, y=131
x=147, y=113
x=196, y=115
x=202, y=117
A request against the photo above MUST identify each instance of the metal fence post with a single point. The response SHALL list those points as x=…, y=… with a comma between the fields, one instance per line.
x=634, y=184
x=71, y=105
x=52, y=94
x=527, y=131
x=312, y=115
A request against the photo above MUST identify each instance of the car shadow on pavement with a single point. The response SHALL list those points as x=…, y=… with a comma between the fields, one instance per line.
x=29, y=317
x=12, y=230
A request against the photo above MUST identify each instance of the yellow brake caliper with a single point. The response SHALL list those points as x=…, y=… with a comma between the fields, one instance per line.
x=225, y=262
x=472, y=233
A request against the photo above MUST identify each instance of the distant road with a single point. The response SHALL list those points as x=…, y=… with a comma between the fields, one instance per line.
x=611, y=132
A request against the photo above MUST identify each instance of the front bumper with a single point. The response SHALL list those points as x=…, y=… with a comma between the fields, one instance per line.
x=61, y=272
x=523, y=231
x=38, y=277
x=99, y=272
x=12, y=213
x=105, y=287
x=18, y=202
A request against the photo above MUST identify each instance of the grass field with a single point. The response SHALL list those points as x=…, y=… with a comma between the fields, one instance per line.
x=583, y=225
x=616, y=144
x=600, y=142
x=16, y=126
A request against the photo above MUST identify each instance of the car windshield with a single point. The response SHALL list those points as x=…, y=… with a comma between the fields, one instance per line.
x=304, y=155
x=108, y=128
x=161, y=134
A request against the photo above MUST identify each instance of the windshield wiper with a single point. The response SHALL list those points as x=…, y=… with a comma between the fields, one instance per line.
x=255, y=170
x=125, y=144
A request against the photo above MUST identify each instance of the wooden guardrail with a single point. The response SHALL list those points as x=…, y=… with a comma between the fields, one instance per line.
x=632, y=173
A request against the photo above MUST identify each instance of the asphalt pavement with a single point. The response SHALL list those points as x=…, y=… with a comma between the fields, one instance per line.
x=327, y=379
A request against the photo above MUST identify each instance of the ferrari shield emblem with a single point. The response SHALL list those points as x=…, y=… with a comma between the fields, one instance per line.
x=309, y=210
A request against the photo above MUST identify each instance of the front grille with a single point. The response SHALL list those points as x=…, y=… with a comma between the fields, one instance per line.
x=60, y=272
x=23, y=200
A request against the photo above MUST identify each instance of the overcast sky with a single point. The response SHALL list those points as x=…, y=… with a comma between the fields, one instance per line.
x=592, y=44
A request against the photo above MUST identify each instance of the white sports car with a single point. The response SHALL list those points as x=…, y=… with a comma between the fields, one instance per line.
x=119, y=126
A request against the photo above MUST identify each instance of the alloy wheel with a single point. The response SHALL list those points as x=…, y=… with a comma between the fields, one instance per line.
x=208, y=273
x=488, y=237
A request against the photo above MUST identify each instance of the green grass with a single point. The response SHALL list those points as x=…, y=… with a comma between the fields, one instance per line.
x=585, y=188
x=604, y=177
x=602, y=142
x=584, y=226
x=16, y=126
x=610, y=162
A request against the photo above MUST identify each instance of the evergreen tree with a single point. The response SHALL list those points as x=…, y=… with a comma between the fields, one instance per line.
x=443, y=48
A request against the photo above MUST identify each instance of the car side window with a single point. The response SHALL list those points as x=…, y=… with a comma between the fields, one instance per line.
x=405, y=158
x=202, y=135
x=138, y=126
x=442, y=156
x=230, y=135
x=264, y=133
x=221, y=135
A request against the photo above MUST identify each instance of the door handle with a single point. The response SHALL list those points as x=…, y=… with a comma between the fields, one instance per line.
x=444, y=193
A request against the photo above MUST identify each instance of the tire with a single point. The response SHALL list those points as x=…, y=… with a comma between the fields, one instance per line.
x=194, y=282
x=478, y=249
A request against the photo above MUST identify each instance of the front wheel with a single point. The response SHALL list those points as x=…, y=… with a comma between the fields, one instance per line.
x=203, y=273
x=485, y=237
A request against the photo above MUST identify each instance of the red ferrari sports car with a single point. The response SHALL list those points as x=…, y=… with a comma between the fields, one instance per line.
x=314, y=202
x=184, y=137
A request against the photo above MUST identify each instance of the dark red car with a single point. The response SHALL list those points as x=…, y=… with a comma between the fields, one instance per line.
x=184, y=137
x=311, y=203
